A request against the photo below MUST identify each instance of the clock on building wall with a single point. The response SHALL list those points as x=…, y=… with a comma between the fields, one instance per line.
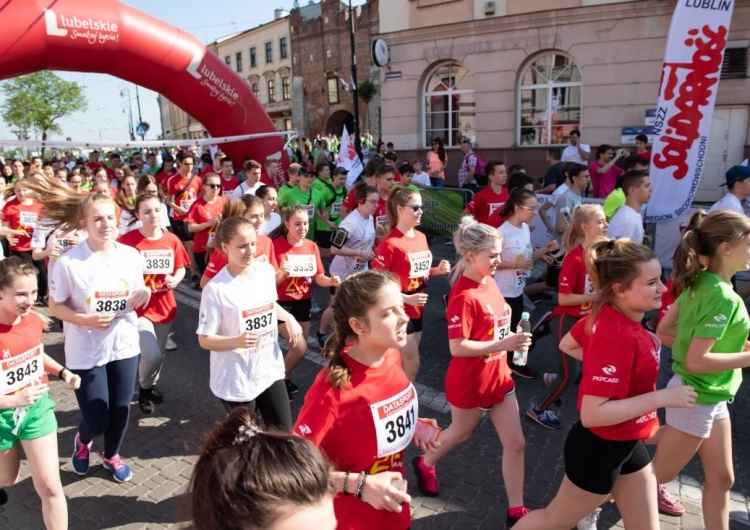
x=380, y=55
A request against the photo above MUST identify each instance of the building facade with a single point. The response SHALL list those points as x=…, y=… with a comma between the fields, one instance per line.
x=516, y=77
x=321, y=65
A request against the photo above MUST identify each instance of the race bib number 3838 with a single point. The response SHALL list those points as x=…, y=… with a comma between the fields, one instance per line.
x=395, y=421
x=21, y=370
x=109, y=301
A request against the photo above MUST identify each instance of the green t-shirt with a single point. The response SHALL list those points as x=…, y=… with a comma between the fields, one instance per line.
x=412, y=187
x=283, y=190
x=710, y=309
x=613, y=202
x=333, y=199
x=311, y=199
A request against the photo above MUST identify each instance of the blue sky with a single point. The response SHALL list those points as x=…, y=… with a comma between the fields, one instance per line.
x=106, y=117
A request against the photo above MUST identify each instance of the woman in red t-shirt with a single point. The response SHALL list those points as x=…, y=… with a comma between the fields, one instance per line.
x=478, y=378
x=362, y=410
x=576, y=293
x=405, y=252
x=204, y=217
x=605, y=451
x=300, y=265
x=164, y=259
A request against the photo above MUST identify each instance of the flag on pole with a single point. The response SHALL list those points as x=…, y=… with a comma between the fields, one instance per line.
x=348, y=159
x=687, y=93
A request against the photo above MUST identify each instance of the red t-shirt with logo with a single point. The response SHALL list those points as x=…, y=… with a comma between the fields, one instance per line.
x=410, y=259
x=228, y=186
x=342, y=424
x=307, y=254
x=185, y=199
x=263, y=252
x=163, y=178
x=22, y=217
x=201, y=212
x=22, y=354
x=158, y=254
x=485, y=205
x=477, y=311
x=620, y=360
x=574, y=279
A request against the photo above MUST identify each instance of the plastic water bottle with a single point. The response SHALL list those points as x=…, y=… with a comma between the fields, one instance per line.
x=524, y=326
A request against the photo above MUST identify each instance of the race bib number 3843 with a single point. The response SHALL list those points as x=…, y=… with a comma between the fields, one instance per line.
x=395, y=421
x=21, y=370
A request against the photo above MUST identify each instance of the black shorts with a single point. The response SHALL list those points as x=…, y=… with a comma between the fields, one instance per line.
x=181, y=230
x=414, y=326
x=323, y=238
x=299, y=309
x=594, y=464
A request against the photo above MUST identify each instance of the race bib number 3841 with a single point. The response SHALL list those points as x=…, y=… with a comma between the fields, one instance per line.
x=395, y=421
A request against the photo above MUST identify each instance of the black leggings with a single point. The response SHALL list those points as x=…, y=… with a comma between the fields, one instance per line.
x=40, y=266
x=570, y=368
x=272, y=404
x=104, y=399
x=200, y=262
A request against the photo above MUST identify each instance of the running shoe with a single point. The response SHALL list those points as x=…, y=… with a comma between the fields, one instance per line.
x=522, y=371
x=119, y=469
x=145, y=402
x=170, y=344
x=510, y=521
x=549, y=378
x=156, y=396
x=3, y=497
x=322, y=338
x=669, y=504
x=427, y=480
x=545, y=418
x=195, y=282
x=291, y=388
x=80, y=458
x=589, y=522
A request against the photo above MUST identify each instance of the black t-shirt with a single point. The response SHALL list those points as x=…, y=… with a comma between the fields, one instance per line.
x=554, y=175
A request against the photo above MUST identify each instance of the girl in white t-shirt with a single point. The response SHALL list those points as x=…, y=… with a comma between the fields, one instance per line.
x=518, y=255
x=270, y=199
x=238, y=324
x=352, y=245
x=95, y=290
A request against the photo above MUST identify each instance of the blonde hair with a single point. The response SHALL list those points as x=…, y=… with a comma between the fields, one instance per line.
x=354, y=297
x=471, y=236
x=582, y=214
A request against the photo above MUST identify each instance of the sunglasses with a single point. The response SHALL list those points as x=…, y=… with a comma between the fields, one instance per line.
x=415, y=207
x=214, y=186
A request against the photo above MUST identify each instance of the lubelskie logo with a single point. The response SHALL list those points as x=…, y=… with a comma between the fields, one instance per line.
x=93, y=30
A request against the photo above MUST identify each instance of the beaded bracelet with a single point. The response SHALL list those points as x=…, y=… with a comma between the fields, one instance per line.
x=346, y=482
x=360, y=485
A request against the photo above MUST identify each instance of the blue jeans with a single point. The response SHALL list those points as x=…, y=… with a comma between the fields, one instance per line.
x=437, y=182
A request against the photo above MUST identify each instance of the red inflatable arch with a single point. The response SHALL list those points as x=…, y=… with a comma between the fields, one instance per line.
x=106, y=36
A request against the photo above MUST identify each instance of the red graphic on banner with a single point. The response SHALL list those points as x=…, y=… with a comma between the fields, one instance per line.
x=691, y=96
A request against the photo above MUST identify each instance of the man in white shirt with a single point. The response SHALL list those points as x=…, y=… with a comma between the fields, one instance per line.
x=252, y=183
x=627, y=222
x=738, y=187
x=576, y=151
x=578, y=179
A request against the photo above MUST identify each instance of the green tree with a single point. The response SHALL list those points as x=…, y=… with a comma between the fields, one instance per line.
x=367, y=90
x=35, y=102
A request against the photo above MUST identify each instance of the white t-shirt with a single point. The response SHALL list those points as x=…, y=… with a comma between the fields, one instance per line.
x=40, y=240
x=244, y=188
x=361, y=237
x=227, y=303
x=90, y=283
x=268, y=226
x=571, y=154
x=626, y=223
x=564, y=205
x=421, y=179
x=728, y=202
x=516, y=247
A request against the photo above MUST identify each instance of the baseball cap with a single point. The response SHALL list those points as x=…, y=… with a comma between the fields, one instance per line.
x=736, y=174
x=340, y=171
x=304, y=170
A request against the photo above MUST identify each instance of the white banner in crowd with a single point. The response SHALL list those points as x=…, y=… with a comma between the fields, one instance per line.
x=348, y=159
x=689, y=82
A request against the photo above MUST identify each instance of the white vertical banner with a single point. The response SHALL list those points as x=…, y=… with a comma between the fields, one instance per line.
x=348, y=159
x=687, y=93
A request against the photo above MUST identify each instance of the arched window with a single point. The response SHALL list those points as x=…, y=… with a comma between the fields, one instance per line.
x=449, y=105
x=549, y=100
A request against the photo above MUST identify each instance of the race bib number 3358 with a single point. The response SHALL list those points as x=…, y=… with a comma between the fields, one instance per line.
x=395, y=421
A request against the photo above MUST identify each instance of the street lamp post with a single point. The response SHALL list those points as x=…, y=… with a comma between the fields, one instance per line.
x=357, y=140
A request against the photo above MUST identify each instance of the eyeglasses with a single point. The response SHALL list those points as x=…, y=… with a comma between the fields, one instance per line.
x=374, y=202
x=214, y=186
x=530, y=208
x=415, y=207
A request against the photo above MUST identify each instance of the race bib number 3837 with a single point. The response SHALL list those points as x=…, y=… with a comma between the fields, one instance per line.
x=21, y=370
x=395, y=421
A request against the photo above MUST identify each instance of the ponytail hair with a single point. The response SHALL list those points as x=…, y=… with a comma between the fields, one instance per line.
x=704, y=240
x=354, y=297
x=362, y=190
x=582, y=214
x=518, y=196
x=398, y=197
x=471, y=236
x=286, y=214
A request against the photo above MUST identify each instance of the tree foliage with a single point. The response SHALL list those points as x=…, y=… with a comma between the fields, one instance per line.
x=36, y=102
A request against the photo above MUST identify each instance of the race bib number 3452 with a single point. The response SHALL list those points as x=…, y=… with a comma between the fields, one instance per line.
x=395, y=421
x=420, y=263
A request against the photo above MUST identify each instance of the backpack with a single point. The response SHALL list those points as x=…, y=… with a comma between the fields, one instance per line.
x=479, y=175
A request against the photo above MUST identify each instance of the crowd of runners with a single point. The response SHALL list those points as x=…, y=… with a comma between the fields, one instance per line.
x=104, y=245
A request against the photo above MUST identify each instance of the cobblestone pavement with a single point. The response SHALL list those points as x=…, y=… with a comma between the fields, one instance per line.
x=161, y=448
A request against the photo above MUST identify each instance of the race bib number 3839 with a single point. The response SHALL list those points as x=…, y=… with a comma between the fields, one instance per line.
x=21, y=370
x=395, y=421
x=157, y=261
